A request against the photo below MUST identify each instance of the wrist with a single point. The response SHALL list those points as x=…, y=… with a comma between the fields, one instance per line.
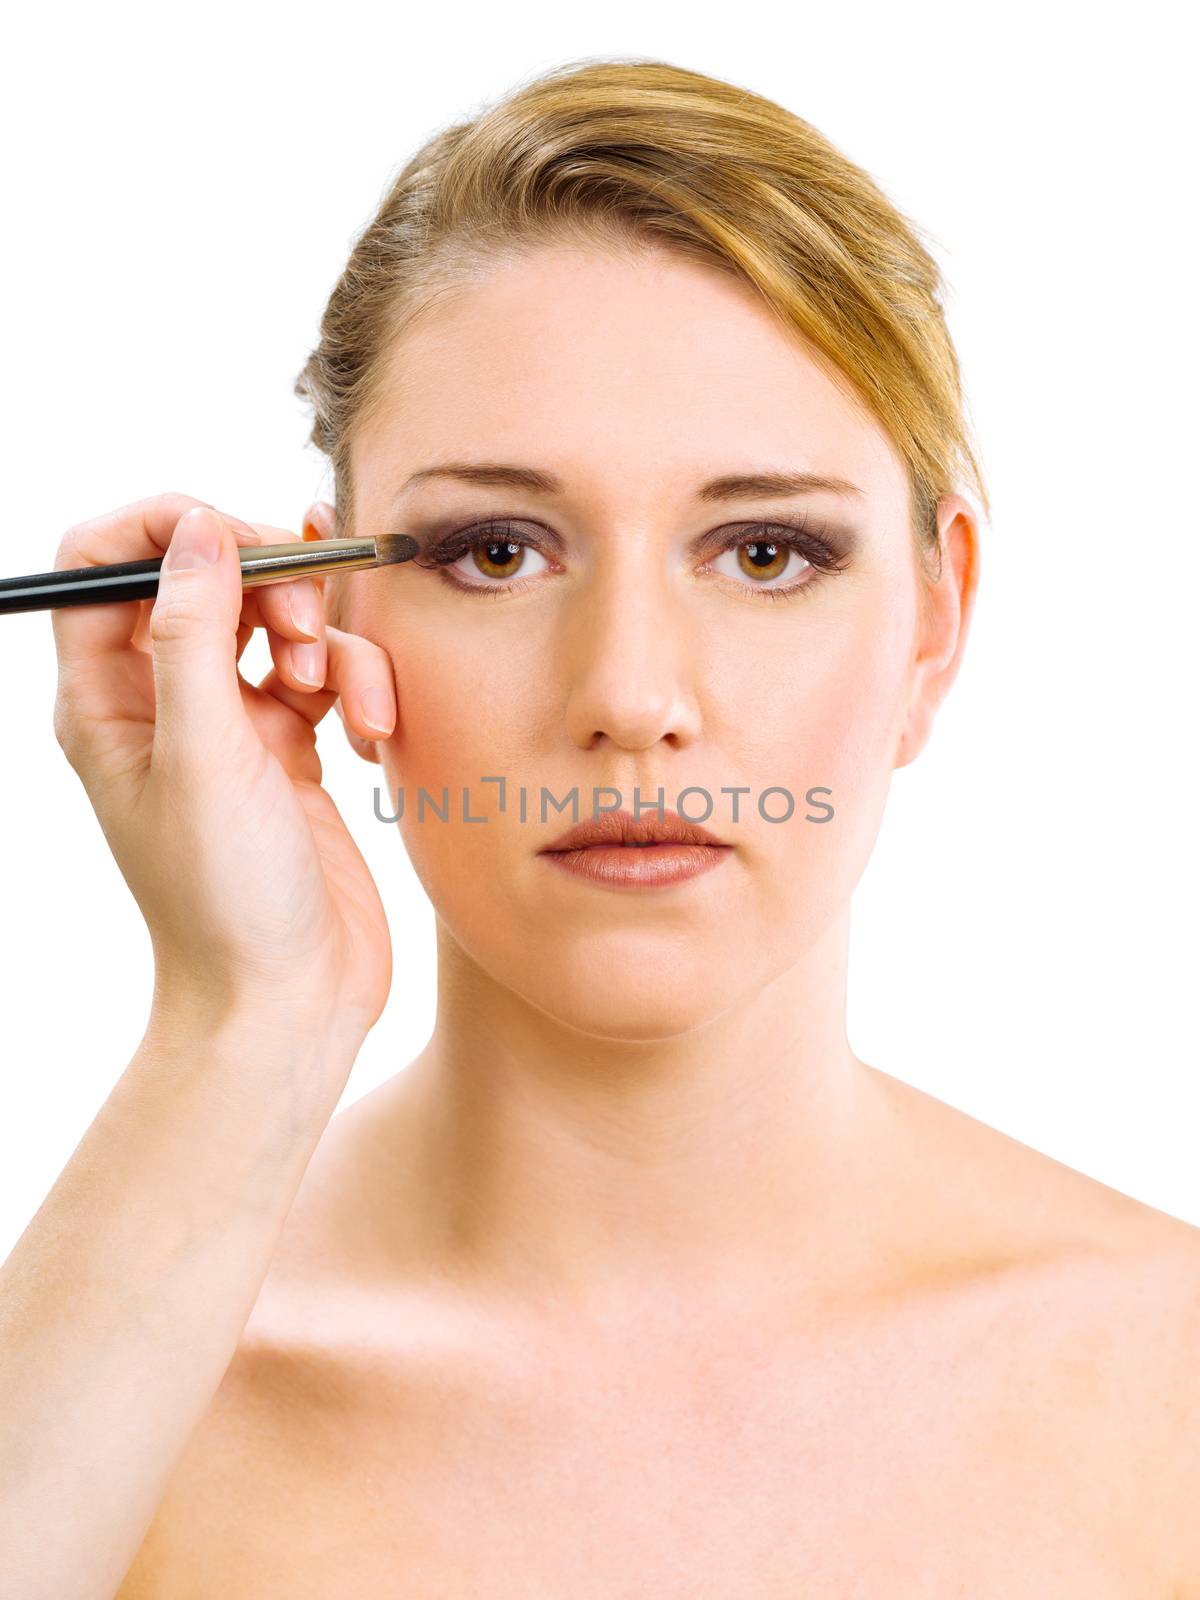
x=209, y=1010
x=268, y=1060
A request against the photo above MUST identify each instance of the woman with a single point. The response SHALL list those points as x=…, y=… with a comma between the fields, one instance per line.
x=636, y=1278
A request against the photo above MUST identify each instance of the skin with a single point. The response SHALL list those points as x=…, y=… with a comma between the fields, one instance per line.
x=637, y=1272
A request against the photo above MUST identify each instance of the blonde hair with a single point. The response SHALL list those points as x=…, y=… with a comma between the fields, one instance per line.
x=633, y=151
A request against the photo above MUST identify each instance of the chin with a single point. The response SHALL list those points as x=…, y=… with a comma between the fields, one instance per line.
x=618, y=988
x=633, y=1018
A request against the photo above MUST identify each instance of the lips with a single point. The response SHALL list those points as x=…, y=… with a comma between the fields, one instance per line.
x=622, y=828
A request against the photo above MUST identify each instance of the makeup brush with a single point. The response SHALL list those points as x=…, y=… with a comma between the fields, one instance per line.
x=261, y=563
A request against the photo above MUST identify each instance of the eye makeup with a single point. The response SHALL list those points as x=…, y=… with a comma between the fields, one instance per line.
x=825, y=548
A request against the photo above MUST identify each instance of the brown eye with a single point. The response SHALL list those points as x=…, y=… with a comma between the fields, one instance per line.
x=762, y=558
x=492, y=562
x=498, y=558
x=764, y=562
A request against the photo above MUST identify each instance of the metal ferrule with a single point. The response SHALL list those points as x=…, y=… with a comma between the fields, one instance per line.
x=268, y=563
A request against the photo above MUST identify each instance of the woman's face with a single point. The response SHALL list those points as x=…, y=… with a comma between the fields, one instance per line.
x=628, y=644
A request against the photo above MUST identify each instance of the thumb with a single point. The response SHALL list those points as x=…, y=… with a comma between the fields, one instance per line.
x=193, y=639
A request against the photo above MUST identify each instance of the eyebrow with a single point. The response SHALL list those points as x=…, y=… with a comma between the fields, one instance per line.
x=732, y=486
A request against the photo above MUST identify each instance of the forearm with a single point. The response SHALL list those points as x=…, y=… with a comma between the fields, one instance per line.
x=122, y=1304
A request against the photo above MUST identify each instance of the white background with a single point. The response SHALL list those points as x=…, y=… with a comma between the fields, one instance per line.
x=181, y=190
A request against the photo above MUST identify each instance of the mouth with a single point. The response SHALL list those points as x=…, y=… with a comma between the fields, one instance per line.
x=619, y=851
x=622, y=830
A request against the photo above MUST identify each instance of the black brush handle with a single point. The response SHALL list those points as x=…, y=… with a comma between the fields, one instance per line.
x=260, y=563
x=81, y=586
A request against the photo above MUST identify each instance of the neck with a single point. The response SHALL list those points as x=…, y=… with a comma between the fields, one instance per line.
x=545, y=1159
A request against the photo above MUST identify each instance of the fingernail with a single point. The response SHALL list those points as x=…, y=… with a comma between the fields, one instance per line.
x=305, y=609
x=377, y=708
x=195, y=541
x=306, y=661
x=242, y=532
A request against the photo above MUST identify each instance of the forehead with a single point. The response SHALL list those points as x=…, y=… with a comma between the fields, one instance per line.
x=590, y=361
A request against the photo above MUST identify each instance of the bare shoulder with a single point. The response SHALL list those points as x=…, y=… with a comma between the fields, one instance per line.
x=1094, y=1290
x=1148, y=1293
x=1156, y=1293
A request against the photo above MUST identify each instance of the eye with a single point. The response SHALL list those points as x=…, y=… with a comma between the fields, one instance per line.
x=489, y=556
x=765, y=561
x=498, y=558
x=776, y=560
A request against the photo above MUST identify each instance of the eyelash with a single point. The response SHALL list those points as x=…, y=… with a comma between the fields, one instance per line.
x=814, y=544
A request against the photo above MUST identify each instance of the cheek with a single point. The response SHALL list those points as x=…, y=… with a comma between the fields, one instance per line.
x=816, y=711
x=464, y=712
x=816, y=705
x=462, y=719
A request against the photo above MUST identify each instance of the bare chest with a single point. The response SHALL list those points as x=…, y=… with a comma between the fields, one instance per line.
x=934, y=1472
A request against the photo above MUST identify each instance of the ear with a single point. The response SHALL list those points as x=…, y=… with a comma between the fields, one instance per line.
x=319, y=523
x=944, y=612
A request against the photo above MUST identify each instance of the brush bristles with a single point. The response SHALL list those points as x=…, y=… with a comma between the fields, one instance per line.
x=393, y=547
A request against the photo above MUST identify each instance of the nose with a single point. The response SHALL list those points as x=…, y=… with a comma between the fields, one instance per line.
x=631, y=668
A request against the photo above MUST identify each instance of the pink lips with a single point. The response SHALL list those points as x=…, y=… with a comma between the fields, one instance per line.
x=621, y=851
